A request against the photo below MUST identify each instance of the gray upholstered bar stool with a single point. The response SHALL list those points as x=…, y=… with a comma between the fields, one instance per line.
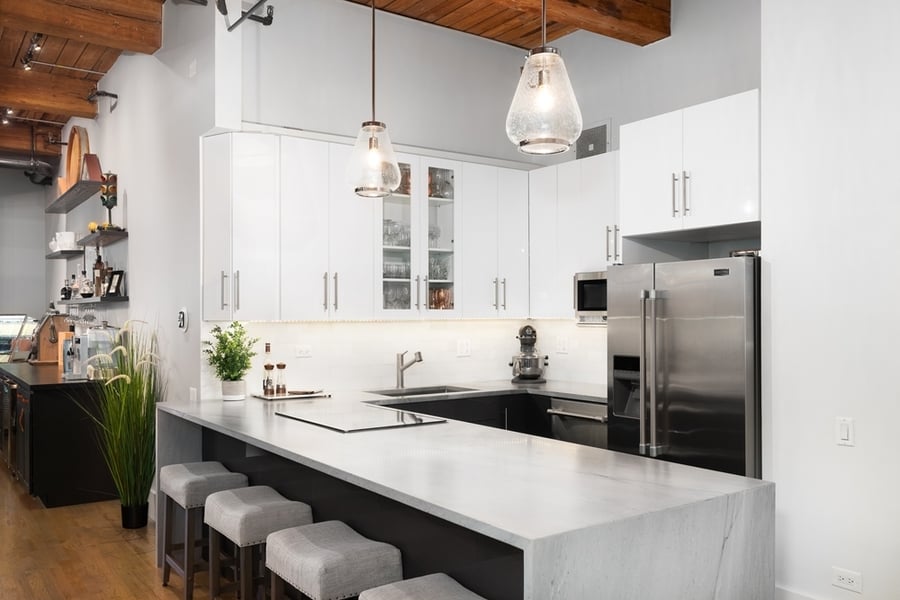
x=188, y=485
x=329, y=561
x=437, y=586
x=246, y=516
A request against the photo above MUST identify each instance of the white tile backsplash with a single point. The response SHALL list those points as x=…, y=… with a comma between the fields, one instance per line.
x=360, y=356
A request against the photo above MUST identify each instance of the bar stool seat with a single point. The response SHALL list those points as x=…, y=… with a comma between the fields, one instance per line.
x=246, y=516
x=437, y=586
x=329, y=561
x=188, y=485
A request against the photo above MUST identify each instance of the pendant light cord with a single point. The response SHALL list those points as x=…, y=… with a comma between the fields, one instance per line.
x=543, y=22
x=373, y=60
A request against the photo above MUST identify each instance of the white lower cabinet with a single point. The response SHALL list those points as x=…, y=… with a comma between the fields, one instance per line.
x=326, y=250
x=573, y=212
x=494, y=242
x=240, y=226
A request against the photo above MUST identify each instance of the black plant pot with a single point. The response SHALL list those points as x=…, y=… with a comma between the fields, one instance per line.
x=135, y=517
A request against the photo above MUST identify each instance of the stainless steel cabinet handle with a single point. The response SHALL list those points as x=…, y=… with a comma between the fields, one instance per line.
x=684, y=192
x=496, y=294
x=418, y=292
x=642, y=376
x=617, y=253
x=563, y=413
x=609, y=255
x=574, y=292
x=335, y=291
x=674, y=200
x=503, y=282
x=237, y=290
x=325, y=291
x=222, y=289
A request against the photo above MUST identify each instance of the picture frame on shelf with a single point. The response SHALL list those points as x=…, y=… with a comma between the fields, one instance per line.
x=116, y=281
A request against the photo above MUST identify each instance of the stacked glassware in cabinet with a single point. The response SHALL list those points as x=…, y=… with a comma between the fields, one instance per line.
x=417, y=250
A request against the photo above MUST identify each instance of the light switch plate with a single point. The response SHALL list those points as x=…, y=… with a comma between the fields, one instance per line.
x=845, y=431
x=463, y=348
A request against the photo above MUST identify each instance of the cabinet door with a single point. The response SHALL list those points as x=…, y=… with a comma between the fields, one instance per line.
x=255, y=230
x=650, y=155
x=599, y=198
x=721, y=157
x=545, y=293
x=305, y=280
x=216, y=207
x=439, y=268
x=350, y=244
x=479, y=289
x=512, y=242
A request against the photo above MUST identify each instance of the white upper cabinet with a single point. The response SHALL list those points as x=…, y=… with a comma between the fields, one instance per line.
x=691, y=168
x=573, y=225
x=240, y=227
x=494, y=242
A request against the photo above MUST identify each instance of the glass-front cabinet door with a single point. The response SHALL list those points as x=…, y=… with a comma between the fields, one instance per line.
x=419, y=222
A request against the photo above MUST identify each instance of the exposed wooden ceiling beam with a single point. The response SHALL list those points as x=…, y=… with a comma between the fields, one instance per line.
x=133, y=25
x=46, y=93
x=639, y=22
x=15, y=138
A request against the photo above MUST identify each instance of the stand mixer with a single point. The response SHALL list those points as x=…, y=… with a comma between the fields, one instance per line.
x=528, y=366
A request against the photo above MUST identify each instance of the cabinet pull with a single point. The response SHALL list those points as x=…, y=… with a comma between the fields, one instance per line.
x=684, y=192
x=565, y=413
x=237, y=290
x=503, y=282
x=674, y=201
x=617, y=252
x=496, y=294
x=325, y=291
x=608, y=255
x=418, y=292
x=335, y=291
x=222, y=290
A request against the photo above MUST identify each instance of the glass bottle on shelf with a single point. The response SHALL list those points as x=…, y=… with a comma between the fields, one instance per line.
x=99, y=273
x=73, y=288
x=86, y=287
x=65, y=292
x=280, y=383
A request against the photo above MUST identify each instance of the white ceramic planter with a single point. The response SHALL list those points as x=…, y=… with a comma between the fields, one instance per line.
x=234, y=390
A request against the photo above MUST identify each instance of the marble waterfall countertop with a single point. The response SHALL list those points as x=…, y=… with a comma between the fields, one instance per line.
x=513, y=487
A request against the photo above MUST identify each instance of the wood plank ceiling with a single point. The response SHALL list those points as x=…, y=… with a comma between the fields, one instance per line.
x=89, y=35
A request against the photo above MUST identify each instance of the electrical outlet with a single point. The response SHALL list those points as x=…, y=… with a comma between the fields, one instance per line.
x=848, y=580
x=463, y=348
x=303, y=351
x=192, y=394
x=562, y=345
x=844, y=431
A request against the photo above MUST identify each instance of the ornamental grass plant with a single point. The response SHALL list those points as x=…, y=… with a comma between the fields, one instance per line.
x=126, y=411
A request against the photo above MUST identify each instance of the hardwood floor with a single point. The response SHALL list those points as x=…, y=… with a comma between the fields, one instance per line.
x=75, y=552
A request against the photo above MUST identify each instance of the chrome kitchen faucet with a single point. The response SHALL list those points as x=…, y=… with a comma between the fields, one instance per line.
x=401, y=366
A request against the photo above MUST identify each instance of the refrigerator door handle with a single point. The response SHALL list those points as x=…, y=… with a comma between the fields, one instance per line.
x=655, y=449
x=642, y=377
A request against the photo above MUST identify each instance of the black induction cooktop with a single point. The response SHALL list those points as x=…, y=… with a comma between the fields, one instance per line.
x=357, y=418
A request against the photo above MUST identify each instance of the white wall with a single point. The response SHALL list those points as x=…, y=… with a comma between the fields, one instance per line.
x=23, y=244
x=713, y=52
x=355, y=356
x=830, y=126
x=436, y=88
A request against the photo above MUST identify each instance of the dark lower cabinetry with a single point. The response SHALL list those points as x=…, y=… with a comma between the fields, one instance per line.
x=524, y=413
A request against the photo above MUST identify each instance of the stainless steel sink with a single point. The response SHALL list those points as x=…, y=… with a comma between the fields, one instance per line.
x=420, y=391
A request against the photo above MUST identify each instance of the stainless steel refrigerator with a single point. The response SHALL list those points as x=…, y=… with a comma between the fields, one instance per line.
x=683, y=352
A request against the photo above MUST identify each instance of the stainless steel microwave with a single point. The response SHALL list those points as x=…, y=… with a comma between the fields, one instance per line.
x=590, y=298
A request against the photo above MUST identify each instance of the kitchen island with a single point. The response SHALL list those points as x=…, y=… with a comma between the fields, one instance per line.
x=508, y=514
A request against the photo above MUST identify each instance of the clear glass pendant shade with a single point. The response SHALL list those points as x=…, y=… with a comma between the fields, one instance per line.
x=373, y=170
x=544, y=117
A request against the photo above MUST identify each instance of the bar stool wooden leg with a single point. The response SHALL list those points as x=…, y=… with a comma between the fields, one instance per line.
x=168, y=517
x=214, y=567
x=246, y=572
x=277, y=586
x=190, y=551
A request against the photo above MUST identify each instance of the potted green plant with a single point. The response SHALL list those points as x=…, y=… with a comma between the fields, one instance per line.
x=229, y=354
x=126, y=417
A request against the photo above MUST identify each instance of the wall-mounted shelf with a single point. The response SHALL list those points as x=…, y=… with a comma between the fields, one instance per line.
x=103, y=238
x=94, y=300
x=77, y=194
x=66, y=254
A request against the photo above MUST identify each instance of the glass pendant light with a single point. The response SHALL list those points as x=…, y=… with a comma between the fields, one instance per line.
x=544, y=117
x=373, y=168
